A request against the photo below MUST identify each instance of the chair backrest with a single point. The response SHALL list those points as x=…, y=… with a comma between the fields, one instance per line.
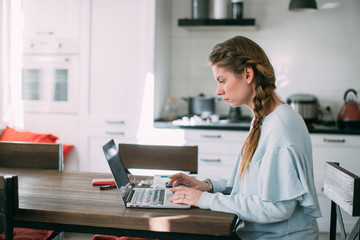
x=180, y=158
x=9, y=204
x=343, y=189
x=31, y=155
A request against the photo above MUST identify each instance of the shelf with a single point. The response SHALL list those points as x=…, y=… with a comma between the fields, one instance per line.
x=197, y=24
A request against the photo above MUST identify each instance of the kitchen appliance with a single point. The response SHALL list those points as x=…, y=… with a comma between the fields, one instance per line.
x=50, y=74
x=201, y=105
x=349, y=115
x=235, y=114
x=306, y=105
x=200, y=9
x=220, y=9
x=236, y=9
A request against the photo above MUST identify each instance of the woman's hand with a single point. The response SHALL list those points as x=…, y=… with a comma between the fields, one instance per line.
x=186, y=195
x=183, y=179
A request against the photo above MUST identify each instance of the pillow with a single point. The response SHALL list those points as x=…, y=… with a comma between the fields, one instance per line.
x=29, y=234
x=12, y=135
x=66, y=149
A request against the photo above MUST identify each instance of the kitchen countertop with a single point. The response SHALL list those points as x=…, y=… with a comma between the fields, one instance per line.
x=244, y=126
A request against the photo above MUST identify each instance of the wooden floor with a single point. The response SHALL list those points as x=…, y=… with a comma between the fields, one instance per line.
x=81, y=236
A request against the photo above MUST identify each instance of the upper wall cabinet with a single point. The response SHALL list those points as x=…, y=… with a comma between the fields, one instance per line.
x=51, y=26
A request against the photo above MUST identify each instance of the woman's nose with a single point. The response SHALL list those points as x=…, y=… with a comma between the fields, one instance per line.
x=219, y=90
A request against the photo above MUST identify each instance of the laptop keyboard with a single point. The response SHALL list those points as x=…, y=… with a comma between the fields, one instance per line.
x=148, y=197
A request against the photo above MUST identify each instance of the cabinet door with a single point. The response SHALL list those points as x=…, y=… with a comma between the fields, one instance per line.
x=120, y=51
x=51, y=26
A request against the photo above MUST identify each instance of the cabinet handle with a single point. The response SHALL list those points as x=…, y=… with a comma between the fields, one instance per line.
x=334, y=140
x=210, y=160
x=210, y=136
x=45, y=33
x=115, y=122
x=115, y=133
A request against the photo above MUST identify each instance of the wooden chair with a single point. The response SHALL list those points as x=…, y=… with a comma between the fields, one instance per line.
x=31, y=155
x=179, y=158
x=343, y=189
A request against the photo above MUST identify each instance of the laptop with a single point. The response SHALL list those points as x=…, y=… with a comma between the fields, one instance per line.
x=136, y=197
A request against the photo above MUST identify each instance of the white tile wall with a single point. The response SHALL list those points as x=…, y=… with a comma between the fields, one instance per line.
x=316, y=53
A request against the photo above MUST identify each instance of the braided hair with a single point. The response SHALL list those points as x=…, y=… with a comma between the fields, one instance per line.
x=234, y=55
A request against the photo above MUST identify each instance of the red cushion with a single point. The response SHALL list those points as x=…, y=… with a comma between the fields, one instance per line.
x=12, y=135
x=108, y=237
x=29, y=234
x=66, y=149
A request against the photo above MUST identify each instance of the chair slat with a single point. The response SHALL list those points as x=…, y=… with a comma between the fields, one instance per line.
x=181, y=158
x=31, y=155
x=343, y=188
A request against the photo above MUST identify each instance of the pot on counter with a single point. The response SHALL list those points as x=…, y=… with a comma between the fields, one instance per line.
x=306, y=105
x=201, y=105
x=349, y=115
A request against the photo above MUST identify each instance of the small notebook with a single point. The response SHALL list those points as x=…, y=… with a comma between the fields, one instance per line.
x=103, y=181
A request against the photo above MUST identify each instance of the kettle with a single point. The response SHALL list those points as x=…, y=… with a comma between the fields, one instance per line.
x=349, y=115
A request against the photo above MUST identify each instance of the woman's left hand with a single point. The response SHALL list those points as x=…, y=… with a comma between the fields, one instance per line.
x=186, y=195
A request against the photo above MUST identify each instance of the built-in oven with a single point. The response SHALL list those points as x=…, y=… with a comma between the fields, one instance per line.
x=49, y=77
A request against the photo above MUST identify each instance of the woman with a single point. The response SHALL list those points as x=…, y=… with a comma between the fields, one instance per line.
x=271, y=187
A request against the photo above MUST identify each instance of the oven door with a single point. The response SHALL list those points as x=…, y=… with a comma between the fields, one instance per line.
x=49, y=83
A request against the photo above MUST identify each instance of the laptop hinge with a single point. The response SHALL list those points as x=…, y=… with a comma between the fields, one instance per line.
x=129, y=196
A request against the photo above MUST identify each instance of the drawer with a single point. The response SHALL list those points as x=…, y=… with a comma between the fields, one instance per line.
x=120, y=132
x=215, y=165
x=217, y=160
x=335, y=140
x=217, y=147
x=215, y=136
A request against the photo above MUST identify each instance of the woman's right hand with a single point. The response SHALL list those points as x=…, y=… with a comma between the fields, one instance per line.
x=181, y=178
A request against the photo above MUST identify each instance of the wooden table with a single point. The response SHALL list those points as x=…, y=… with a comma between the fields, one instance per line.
x=67, y=201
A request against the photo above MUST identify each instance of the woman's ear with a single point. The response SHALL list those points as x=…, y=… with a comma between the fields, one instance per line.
x=249, y=74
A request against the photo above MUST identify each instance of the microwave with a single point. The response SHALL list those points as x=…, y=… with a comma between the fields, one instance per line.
x=49, y=83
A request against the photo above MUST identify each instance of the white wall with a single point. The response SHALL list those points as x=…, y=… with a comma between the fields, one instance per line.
x=316, y=53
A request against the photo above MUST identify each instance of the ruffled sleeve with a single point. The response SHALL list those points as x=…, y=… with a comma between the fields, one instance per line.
x=287, y=175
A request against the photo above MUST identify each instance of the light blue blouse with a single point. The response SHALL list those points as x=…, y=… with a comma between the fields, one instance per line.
x=276, y=198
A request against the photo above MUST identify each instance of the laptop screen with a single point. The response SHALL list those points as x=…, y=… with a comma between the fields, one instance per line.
x=117, y=169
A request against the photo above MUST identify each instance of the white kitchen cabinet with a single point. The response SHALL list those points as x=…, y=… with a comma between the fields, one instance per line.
x=120, y=37
x=121, y=48
x=51, y=26
x=218, y=150
x=344, y=149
